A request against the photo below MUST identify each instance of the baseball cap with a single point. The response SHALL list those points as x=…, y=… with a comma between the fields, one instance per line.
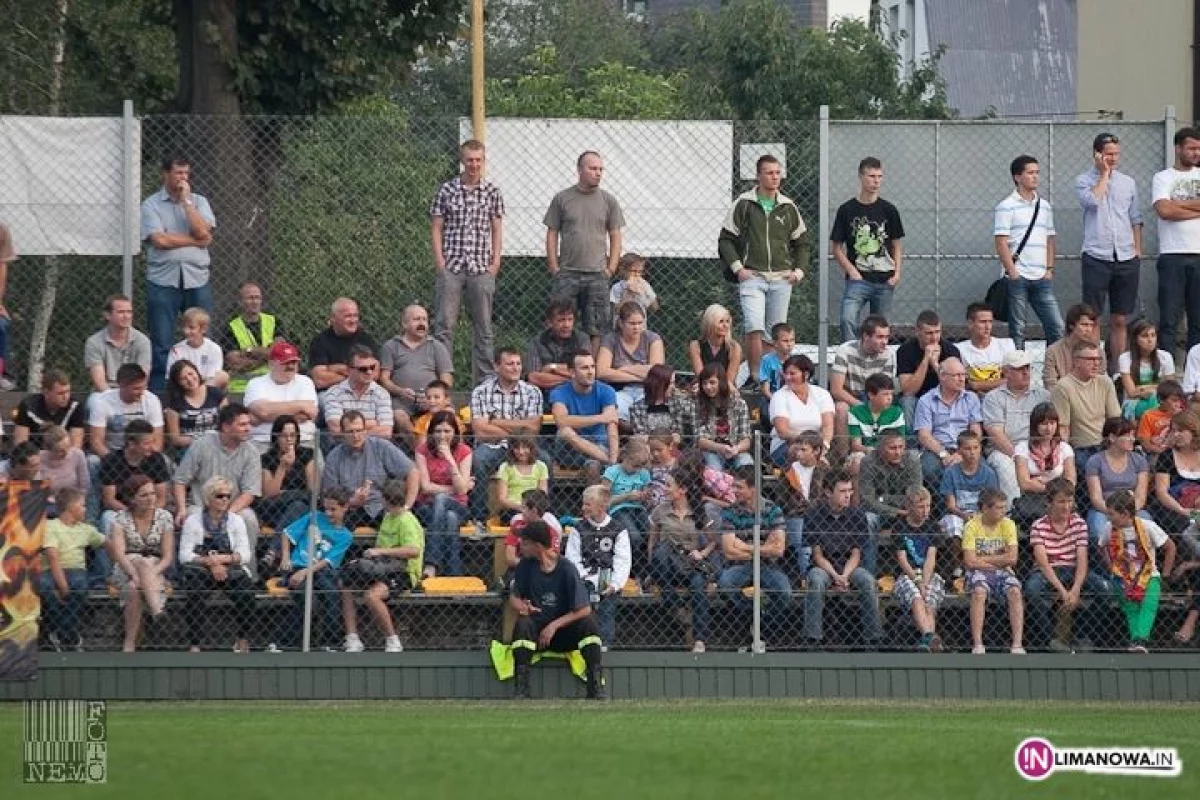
x=1103, y=139
x=537, y=531
x=283, y=351
x=1017, y=359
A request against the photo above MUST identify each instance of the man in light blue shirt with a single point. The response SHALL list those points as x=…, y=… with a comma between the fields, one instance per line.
x=176, y=228
x=1112, y=240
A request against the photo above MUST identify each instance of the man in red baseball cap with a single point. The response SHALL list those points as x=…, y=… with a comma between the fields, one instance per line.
x=283, y=390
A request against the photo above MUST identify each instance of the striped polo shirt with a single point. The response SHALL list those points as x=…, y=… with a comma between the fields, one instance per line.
x=1060, y=548
x=851, y=360
x=1012, y=219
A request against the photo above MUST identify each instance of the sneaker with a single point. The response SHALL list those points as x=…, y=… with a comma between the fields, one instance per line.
x=54, y=641
x=78, y=646
x=392, y=645
x=7, y=384
x=935, y=644
x=354, y=644
x=1059, y=646
x=1138, y=647
x=925, y=645
x=273, y=648
x=978, y=650
x=698, y=647
x=1017, y=650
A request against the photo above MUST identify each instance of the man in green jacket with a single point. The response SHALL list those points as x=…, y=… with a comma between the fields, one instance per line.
x=764, y=247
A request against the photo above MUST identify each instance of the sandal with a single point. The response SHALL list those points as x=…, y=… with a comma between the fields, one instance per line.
x=1179, y=640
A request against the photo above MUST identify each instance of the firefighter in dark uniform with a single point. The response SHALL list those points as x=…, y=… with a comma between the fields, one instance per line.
x=553, y=612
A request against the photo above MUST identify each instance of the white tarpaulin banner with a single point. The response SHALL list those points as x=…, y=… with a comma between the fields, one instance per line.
x=674, y=179
x=61, y=184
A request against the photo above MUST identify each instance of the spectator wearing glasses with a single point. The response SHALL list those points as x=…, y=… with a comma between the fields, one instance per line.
x=1083, y=326
x=362, y=393
x=1112, y=239
x=1084, y=399
x=361, y=464
x=942, y=414
x=283, y=390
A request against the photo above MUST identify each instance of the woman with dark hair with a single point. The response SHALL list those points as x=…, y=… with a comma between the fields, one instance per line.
x=191, y=407
x=663, y=408
x=1115, y=467
x=1044, y=457
x=141, y=543
x=720, y=420
x=798, y=406
x=1142, y=368
x=288, y=476
x=1177, y=474
x=683, y=536
x=627, y=355
x=444, y=464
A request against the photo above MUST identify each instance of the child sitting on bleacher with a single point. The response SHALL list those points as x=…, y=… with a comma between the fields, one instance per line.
x=963, y=483
x=989, y=547
x=437, y=398
x=535, y=504
x=770, y=368
x=1131, y=545
x=662, y=463
x=1154, y=427
x=516, y=476
x=599, y=548
x=800, y=490
x=627, y=481
x=205, y=354
x=393, y=564
x=919, y=588
x=63, y=582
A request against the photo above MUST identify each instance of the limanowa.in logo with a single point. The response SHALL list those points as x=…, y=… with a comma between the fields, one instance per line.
x=1037, y=759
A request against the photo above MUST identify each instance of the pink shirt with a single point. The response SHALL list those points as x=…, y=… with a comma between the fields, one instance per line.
x=440, y=469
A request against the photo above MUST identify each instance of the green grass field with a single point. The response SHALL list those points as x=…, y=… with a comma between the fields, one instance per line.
x=688, y=749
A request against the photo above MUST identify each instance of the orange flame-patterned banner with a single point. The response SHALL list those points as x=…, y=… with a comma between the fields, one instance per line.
x=21, y=529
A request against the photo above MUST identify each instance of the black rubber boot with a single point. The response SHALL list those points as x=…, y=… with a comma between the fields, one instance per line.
x=595, y=683
x=522, y=686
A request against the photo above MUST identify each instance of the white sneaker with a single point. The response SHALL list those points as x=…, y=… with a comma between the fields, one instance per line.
x=354, y=644
x=698, y=647
x=274, y=648
x=978, y=650
x=392, y=645
x=1017, y=651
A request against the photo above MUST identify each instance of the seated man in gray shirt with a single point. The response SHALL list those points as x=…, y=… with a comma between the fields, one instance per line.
x=410, y=362
x=119, y=343
x=361, y=464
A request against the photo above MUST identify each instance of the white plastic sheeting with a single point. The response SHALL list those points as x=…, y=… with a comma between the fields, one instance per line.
x=674, y=179
x=62, y=184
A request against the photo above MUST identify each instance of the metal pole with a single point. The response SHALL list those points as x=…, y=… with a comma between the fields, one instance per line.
x=937, y=215
x=1169, y=137
x=478, y=118
x=129, y=199
x=313, y=533
x=757, y=614
x=823, y=224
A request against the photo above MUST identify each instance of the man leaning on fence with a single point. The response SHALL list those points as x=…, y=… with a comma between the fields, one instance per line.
x=866, y=240
x=246, y=337
x=763, y=246
x=466, y=228
x=177, y=227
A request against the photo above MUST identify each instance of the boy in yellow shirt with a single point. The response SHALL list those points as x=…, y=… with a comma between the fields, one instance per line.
x=989, y=546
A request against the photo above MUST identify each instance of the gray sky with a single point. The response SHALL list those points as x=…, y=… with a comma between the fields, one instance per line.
x=849, y=8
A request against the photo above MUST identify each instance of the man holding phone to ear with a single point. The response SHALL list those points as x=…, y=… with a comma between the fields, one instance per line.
x=1112, y=240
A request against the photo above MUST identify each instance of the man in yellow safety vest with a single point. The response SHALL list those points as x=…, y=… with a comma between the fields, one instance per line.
x=247, y=336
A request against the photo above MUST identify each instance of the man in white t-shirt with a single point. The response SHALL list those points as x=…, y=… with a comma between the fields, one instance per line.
x=283, y=390
x=1175, y=194
x=110, y=411
x=983, y=354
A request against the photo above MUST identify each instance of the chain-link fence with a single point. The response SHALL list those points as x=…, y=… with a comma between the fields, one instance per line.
x=831, y=578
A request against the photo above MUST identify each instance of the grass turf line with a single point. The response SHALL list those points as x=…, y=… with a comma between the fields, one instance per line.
x=684, y=749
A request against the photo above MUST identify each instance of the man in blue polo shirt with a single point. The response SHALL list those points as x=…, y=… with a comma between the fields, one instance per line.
x=585, y=413
x=942, y=414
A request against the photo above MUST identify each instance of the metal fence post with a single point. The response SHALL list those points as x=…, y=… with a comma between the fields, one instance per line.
x=937, y=216
x=313, y=532
x=757, y=646
x=823, y=225
x=1169, y=136
x=129, y=195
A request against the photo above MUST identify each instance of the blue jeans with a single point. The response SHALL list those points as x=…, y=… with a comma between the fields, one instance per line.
x=795, y=543
x=1178, y=290
x=716, y=462
x=442, y=517
x=861, y=581
x=62, y=616
x=1038, y=594
x=4, y=323
x=777, y=592
x=637, y=523
x=668, y=576
x=932, y=469
x=860, y=295
x=164, y=304
x=327, y=607
x=605, y=610
x=1023, y=293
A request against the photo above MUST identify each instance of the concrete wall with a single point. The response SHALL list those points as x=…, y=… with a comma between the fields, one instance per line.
x=1136, y=57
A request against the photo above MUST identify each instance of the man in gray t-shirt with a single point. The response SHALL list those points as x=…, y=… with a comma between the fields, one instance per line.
x=410, y=362
x=583, y=244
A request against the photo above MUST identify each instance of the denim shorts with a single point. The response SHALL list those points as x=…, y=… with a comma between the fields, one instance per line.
x=764, y=303
x=996, y=581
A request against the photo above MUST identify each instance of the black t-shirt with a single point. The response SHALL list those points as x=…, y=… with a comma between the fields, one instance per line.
x=910, y=354
x=836, y=534
x=32, y=413
x=329, y=348
x=229, y=341
x=115, y=470
x=295, y=477
x=866, y=232
x=557, y=593
x=195, y=420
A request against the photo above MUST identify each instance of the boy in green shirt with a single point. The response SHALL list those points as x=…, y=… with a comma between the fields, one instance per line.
x=393, y=564
x=868, y=420
x=63, y=581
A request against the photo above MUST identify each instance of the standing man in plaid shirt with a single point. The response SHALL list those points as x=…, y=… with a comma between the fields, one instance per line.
x=467, y=228
x=502, y=406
